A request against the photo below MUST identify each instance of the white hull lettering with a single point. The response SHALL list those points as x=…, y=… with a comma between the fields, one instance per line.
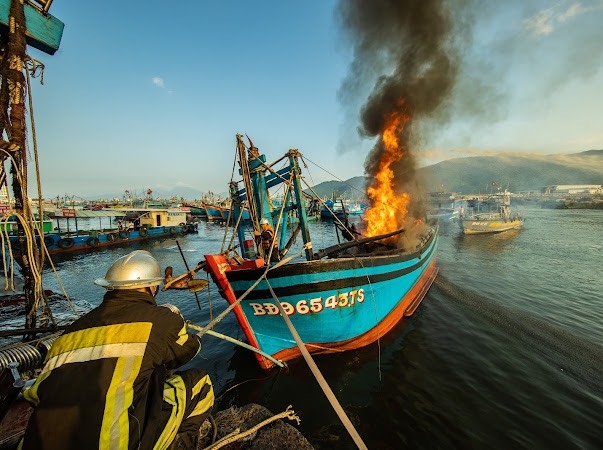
x=313, y=306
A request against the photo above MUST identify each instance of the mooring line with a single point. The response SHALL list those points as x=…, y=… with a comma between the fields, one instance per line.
x=223, y=314
x=236, y=342
x=318, y=375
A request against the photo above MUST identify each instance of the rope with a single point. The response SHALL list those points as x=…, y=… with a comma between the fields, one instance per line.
x=235, y=341
x=34, y=66
x=335, y=218
x=280, y=218
x=318, y=375
x=234, y=304
x=338, y=179
x=235, y=435
x=36, y=266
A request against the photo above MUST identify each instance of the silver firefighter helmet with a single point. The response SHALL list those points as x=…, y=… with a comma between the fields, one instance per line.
x=137, y=269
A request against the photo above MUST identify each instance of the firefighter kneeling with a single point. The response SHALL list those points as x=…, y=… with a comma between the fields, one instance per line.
x=107, y=380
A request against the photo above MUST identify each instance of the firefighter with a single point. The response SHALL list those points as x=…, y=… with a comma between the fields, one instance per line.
x=265, y=239
x=107, y=381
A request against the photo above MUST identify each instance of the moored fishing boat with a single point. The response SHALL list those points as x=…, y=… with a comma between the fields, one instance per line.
x=8, y=224
x=213, y=212
x=340, y=298
x=493, y=215
x=144, y=224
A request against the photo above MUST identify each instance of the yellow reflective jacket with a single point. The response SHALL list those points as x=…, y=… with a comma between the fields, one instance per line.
x=102, y=382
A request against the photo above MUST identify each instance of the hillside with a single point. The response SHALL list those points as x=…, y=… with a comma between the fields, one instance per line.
x=517, y=173
x=352, y=188
x=467, y=175
x=475, y=174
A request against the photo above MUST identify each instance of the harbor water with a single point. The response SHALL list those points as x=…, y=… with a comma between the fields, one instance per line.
x=506, y=350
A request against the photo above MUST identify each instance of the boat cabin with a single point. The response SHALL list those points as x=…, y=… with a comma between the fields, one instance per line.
x=156, y=217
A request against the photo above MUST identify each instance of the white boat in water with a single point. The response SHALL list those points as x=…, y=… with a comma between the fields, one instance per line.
x=493, y=215
x=444, y=214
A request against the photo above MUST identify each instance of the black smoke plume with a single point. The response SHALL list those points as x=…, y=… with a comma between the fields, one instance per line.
x=410, y=45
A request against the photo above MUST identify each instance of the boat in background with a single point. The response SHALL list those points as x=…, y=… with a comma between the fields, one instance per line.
x=444, y=215
x=340, y=209
x=491, y=215
x=9, y=224
x=445, y=207
x=133, y=225
x=197, y=212
x=340, y=298
x=213, y=212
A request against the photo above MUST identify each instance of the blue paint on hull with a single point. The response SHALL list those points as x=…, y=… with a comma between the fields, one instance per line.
x=367, y=290
x=57, y=244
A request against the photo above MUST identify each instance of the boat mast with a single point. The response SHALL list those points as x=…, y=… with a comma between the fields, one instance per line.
x=255, y=192
x=12, y=125
x=44, y=33
x=293, y=155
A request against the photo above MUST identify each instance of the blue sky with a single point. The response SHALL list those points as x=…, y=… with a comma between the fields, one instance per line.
x=151, y=94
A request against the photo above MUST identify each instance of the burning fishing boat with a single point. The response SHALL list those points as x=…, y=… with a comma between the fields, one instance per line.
x=339, y=298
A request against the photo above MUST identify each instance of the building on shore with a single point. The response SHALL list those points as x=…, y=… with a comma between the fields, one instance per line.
x=592, y=189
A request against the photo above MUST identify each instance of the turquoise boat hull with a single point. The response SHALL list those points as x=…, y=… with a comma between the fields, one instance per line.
x=57, y=244
x=334, y=304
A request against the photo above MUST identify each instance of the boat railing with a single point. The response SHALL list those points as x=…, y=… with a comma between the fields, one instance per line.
x=484, y=216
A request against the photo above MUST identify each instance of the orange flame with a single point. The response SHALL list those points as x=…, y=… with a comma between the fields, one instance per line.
x=388, y=208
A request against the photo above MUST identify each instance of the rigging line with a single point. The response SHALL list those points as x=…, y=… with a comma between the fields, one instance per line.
x=232, y=238
x=335, y=218
x=211, y=310
x=234, y=165
x=223, y=314
x=345, y=420
x=35, y=271
x=280, y=217
x=31, y=252
x=11, y=261
x=306, y=166
x=45, y=249
x=188, y=270
x=242, y=152
x=35, y=146
x=333, y=175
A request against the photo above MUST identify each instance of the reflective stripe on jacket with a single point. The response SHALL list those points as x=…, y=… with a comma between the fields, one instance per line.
x=102, y=382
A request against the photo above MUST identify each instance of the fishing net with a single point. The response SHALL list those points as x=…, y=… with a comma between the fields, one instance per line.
x=276, y=435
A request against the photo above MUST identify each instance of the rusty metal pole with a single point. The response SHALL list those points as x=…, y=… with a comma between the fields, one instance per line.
x=13, y=85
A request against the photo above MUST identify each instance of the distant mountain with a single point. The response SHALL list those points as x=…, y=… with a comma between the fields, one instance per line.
x=467, y=175
x=516, y=173
x=475, y=174
x=352, y=188
x=589, y=153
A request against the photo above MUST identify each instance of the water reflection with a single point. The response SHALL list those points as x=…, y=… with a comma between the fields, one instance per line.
x=495, y=243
